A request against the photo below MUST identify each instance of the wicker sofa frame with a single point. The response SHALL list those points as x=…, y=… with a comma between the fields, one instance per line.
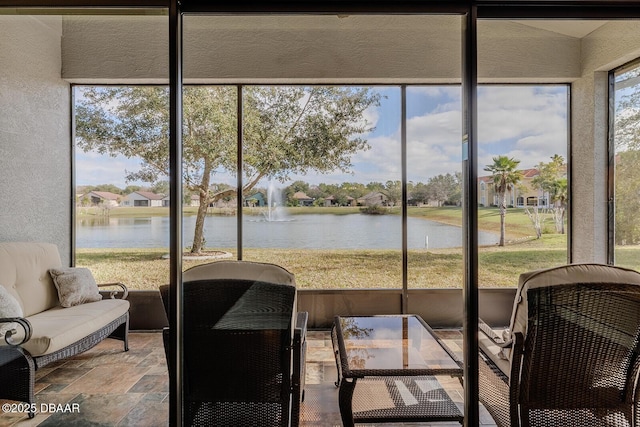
x=18, y=366
x=577, y=362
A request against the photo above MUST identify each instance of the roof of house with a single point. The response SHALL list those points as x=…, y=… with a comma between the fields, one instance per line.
x=526, y=173
x=530, y=173
x=149, y=195
x=332, y=197
x=299, y=195
x=106, y=195
x=372, y=195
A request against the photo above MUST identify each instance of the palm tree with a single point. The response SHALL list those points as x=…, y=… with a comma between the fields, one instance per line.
x=505, y=176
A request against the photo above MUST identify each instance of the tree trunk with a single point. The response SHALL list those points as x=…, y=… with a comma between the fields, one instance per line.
x=503, y=214
x=535, y=220
x=198, y=234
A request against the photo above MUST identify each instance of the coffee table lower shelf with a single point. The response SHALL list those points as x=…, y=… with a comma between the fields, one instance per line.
x=396, y=399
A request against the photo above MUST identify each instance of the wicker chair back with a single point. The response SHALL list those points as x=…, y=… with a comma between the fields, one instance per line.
x=238, y=356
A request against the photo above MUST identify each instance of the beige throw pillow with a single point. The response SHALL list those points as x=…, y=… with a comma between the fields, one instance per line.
x=9, y=307
x=75, y=286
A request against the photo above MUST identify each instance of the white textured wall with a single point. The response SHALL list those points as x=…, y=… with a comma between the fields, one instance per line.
x=112, y=49
x=35, y=153
x=515, y=53
x=325, y=49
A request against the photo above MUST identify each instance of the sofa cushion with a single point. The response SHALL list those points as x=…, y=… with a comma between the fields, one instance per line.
x=59, y=327
x=24, y=271
x=9, y=307
x=75, y=286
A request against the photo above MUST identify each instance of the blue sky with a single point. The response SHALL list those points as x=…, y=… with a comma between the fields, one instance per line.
x=526, y=122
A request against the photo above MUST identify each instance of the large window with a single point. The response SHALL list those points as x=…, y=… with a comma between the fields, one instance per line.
x=434, y=187
x=523, y=144
x=322, y=180
x=625, y=157
x=523, y=193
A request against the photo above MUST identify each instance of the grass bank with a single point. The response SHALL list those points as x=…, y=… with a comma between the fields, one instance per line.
x=349, y=269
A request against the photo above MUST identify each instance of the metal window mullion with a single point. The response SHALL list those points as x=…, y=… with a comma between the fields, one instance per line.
x=611, y=172
x=403, y=160
x=72, y=206
x=470, y=216
x=240, y=142
x=176, y=391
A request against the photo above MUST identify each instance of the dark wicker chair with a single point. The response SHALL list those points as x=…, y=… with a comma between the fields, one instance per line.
x=570, y=355
x=244, y=345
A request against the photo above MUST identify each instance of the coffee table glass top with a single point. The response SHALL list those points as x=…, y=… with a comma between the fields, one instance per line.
x=382, y=345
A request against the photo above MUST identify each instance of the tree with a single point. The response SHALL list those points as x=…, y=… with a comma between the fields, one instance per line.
x=131, y=189
x=445, y=188
x=552, y=179
x=354, y=189
x=627, y=190
x=107, y=187
x=161, y=187
x=419, y=193
x=292, y=189
x=505, y=176
x=393, y=191
x=287, y=130
x=627, y=159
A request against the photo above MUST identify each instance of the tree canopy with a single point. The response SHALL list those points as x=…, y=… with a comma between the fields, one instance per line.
x=627, y=158
x=552, y=179
x=286, y=130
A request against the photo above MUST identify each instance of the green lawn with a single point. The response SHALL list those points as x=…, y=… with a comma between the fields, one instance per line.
x=347, y=269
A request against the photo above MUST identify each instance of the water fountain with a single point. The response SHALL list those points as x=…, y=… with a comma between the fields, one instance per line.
x=274, y=211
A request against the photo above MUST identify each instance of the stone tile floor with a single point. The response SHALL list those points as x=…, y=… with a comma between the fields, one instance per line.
x=112, y=388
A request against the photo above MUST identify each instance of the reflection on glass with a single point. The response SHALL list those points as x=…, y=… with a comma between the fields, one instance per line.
x=392, y=342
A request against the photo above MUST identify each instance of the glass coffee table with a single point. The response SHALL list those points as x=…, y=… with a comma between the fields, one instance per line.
x=393, y=360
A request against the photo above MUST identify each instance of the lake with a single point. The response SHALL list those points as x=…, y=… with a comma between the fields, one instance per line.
x=313, y=231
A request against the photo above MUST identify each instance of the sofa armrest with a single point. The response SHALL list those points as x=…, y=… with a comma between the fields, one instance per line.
x=299, y=365
x=300, y=351
x=493, y=337
x=301, y=326
x=22, y=337
x=113, y=293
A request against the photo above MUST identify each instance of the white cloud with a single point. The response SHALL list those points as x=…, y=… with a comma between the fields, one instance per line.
x=434, y=145
x=513, y=112
x=93, y=168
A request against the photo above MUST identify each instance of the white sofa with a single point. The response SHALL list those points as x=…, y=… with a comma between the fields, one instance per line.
x=47, y=331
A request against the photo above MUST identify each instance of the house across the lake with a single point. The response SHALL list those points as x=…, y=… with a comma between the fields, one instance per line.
x=335, y=201
x=102, y=198
x=302, y=199
x=143, y=199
